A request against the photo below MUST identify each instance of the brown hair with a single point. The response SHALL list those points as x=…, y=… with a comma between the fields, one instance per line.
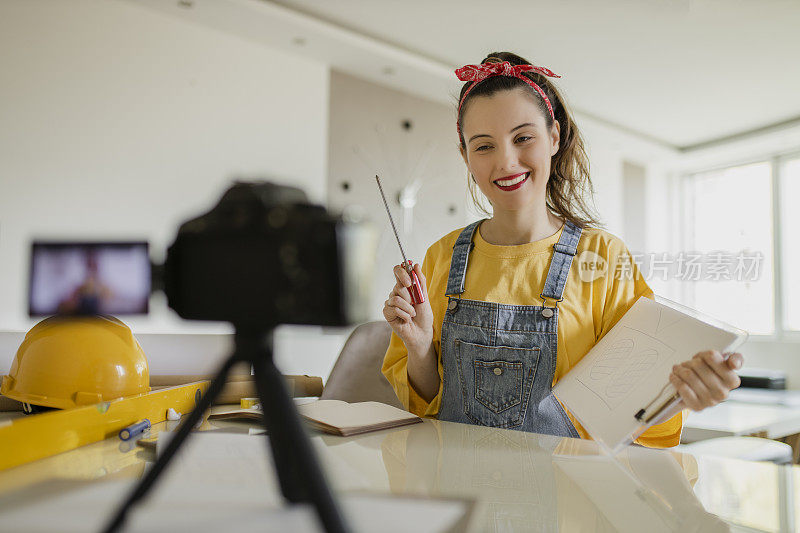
x=569, y=184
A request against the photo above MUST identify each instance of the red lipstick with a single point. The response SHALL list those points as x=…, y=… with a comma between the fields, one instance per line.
x=515, y=186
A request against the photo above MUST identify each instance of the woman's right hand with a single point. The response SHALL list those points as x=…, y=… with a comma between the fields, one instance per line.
x=412, y=323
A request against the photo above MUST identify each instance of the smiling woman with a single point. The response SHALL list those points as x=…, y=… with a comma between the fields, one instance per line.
x=506, y=314
x=503, y=160
x=570, y=182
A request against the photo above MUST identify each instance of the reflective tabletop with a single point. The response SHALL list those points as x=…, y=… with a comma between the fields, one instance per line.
x=520, y=481
x=531, y=482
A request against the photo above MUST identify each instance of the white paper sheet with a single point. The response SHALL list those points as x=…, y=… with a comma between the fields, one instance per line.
x=630, y=366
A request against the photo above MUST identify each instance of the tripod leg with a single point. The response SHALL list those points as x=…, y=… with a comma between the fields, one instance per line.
x=184, y=429
x=300, y=475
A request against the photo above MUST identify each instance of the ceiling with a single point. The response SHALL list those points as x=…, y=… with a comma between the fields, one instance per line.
x=683, y=73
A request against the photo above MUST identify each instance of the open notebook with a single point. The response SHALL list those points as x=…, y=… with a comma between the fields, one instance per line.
x=337, y=417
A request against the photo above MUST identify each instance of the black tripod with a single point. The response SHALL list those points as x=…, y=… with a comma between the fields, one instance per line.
x=301, y=478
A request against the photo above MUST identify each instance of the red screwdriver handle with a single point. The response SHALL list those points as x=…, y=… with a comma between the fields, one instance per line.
x=417, y=296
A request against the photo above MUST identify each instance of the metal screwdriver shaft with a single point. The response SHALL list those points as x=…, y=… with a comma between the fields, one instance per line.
x=391, y=220
x=415, y=289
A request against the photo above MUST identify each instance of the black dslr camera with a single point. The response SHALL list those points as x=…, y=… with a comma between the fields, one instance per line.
x=265, y=256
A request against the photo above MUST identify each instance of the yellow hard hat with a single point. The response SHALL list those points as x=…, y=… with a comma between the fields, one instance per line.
x=72, y=361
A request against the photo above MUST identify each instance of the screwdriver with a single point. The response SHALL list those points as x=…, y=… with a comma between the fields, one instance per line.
x=415, y=289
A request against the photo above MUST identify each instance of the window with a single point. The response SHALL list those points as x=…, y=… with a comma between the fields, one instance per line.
x=790, y=244
x=731, y=217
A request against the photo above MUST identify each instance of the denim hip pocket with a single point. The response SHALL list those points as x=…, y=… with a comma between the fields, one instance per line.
x=495, y=382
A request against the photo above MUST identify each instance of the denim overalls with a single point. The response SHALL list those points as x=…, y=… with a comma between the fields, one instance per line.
x=499, y=360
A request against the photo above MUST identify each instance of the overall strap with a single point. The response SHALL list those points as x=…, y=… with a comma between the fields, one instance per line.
x=563, y=252
x=458, y=264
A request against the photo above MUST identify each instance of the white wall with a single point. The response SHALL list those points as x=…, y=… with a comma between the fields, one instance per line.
x=609, y=148
x=367, y=137
x=119, y=122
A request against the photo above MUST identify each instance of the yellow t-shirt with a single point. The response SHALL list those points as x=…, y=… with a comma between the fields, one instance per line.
x=515, y=275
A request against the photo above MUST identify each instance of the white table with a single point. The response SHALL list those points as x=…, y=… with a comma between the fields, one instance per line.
x=735, y=418
x=521, y=481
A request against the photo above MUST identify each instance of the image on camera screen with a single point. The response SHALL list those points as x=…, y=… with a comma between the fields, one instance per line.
x=89, y=278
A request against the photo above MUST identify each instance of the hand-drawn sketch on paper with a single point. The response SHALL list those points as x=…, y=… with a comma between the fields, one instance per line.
x=628, y=359
x=666, y=321
x=628, y=367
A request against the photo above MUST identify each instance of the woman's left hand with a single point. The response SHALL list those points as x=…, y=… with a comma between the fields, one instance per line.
x=706, y=379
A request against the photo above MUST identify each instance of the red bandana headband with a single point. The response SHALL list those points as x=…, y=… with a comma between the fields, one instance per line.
x=478, y=73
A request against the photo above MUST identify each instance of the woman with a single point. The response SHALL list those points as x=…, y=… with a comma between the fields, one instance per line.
x=509, y=312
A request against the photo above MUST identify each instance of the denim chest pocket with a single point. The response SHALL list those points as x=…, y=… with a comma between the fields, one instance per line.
x=496, y=382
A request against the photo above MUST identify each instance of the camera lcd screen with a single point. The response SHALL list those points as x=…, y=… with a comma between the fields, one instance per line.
x=89, y=278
